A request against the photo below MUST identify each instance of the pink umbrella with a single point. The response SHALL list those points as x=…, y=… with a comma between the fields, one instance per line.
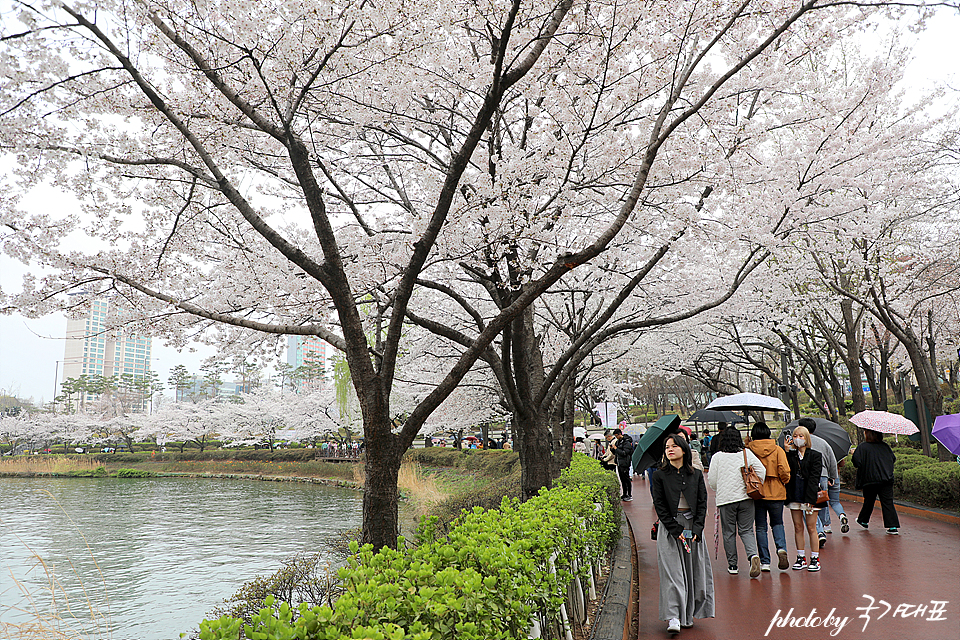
x=946, y=429
x=884, y=422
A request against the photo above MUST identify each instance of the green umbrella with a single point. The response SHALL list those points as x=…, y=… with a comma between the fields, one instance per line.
x=649, y=450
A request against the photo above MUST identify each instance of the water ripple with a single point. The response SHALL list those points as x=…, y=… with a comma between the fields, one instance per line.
x=156, y=555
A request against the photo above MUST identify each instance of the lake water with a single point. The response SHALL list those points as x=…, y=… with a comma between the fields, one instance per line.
x=151, y=557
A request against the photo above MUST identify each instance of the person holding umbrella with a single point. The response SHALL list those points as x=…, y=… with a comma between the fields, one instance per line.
x=805, y=469
x=622, y=446
x=874, y=461
x=683, y=560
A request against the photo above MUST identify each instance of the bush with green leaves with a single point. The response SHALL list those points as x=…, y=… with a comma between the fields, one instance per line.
x=488, y=578
x=936, y=485
x=134, y=473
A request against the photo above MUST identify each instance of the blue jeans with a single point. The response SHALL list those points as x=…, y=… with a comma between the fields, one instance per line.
x=775, y=510
x=833, y=493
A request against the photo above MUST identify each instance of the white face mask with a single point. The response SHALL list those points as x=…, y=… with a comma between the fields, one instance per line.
x=799, y=442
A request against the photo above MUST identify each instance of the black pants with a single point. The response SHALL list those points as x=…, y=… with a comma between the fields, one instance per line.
x=623, y=472
x=884, y=491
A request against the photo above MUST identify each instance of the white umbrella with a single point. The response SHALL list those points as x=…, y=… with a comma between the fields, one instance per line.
x=884, y=422
x=748, y=402
x=595, y=436
x=579, y=432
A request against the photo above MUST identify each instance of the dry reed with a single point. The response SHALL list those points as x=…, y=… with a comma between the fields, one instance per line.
x=420, y=488
x=46, y=464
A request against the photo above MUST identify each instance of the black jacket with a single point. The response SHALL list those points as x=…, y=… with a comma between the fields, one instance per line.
x=666, y=486
x=874, y=463
x=806, y=471
x=624, y=451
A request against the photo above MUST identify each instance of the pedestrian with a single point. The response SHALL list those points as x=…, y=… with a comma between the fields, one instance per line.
x=715, y=441
x=829, y=478
x=683, y=559
x=874, y=461
x=737, y=513
x=580, y=446
x=805, y=470
x=705, y=444
x=608, y=459
x=694, y=447
x=622, y=446
x=774, y=491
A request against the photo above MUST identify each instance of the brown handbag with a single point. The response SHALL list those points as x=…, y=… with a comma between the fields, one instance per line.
x=751, y=480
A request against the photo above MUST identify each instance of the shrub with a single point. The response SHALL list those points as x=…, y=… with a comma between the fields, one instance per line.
x=906, y=459
x=134, y=473
x=488, y=578
x=302, y=578
x=936, y=485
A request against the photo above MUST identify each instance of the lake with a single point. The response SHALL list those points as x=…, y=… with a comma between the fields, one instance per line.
x=152, y=557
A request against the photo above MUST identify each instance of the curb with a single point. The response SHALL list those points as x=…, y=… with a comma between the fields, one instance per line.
x=616, y=614
x=930, y=513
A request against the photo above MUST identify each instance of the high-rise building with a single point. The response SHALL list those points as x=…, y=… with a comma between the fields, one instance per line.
x=311, y=360
x=92, y=348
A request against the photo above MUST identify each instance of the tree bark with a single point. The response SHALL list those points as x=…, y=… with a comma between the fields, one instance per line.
x=851, y=357
x=536, y=465
x=381, y=495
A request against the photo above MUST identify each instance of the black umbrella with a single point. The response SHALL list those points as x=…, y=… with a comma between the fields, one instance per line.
x=714, y=415
x=835, y=435
x=649, y=449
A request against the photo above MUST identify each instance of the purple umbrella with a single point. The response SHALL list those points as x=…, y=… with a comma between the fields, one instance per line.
x=946, y=429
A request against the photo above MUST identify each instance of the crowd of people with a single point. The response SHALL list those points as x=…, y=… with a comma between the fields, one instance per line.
x=801, y=476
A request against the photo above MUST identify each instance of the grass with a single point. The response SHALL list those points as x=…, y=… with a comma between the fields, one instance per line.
x=47, y=465
x=311, y=469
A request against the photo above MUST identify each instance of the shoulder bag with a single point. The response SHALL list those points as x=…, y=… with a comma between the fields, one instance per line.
x=751, y=480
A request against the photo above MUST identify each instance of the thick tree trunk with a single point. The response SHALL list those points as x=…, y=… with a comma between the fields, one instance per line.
x=537, y=456
x=381, y=465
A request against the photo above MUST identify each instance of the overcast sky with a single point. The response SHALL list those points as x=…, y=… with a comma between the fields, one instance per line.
x=31, y=351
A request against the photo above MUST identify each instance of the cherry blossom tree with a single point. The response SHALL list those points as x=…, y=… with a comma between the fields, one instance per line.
x=304, y=170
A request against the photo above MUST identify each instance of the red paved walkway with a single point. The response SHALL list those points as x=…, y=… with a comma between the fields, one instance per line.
x=919, y=566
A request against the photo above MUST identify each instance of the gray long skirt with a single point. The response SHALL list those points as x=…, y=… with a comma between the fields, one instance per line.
x=686, y=579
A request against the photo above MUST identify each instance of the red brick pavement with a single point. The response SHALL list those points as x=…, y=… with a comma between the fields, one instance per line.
x=860, y=569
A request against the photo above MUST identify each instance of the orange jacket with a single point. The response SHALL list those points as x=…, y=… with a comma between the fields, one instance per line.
x=774, y=460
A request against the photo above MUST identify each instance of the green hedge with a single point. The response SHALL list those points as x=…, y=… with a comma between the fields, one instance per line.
x=487, y=579
x=935, y=485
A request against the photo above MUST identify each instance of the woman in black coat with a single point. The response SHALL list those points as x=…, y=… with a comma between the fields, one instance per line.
x=805, y=468
x=874, y=462
x=680, y=498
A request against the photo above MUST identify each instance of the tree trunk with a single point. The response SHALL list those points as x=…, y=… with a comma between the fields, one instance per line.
x=381, y=495
x=537, y=458
x=851, y=358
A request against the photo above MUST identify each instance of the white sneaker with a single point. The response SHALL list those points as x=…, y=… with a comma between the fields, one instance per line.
x=755, y=566
x=827, y=530
x=765, y=567
x=673, y=626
